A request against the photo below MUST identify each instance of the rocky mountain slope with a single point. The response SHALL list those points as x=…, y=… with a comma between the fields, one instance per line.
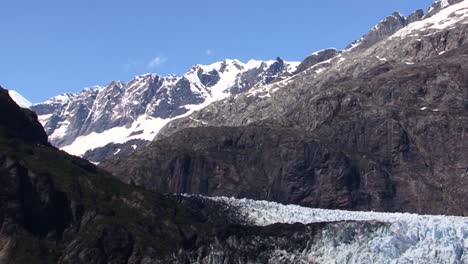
x=56, y=208
x=103, y=120
x=376, y=127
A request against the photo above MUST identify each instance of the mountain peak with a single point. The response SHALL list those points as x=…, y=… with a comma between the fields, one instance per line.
x=232, y=61
x=118, y=84
x=317, y=57
x=92, y=89
x=19, y=99
x=146, y=75
x=439, y=5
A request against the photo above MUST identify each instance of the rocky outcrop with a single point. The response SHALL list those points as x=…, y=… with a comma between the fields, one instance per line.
x=316, y=57
x=386, y=28
x=32, y=202
x=19, y=122
x=416, y=16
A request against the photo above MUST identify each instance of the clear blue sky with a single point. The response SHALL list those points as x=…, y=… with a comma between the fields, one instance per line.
x=49, y=47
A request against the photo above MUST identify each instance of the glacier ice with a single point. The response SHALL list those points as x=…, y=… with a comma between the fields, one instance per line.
x=396, y=238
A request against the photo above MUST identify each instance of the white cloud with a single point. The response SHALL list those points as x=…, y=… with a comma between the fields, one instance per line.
x=208, y=52
x=156, y=62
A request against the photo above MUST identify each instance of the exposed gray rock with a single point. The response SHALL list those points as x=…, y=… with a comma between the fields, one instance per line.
x=416, y=16
x=384, y=29
x=255, y=162
x=317, y=57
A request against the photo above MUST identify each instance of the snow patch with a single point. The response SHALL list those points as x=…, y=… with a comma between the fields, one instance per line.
x=43, y=119
x=381, y=59
x=118, y=135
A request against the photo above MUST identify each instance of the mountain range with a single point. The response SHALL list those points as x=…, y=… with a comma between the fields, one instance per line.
x=102, y=121
x=377, y=127
x=377, y=130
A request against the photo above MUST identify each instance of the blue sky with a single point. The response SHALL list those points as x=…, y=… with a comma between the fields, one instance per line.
x=54, y=46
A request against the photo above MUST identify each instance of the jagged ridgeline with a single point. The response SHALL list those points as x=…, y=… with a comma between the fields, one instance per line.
x=380, y=126
x=121, y=117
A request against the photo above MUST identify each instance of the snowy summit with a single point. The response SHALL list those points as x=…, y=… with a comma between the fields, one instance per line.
x=19, y=99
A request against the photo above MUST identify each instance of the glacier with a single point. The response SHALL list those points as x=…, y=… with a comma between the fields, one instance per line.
x=389, y=238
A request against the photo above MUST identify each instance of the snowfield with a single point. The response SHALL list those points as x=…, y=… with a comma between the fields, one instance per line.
x=400, y=237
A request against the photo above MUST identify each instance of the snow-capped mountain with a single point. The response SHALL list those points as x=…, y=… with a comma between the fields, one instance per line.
x=136, y=110
x=19, y=99
x=378, y=128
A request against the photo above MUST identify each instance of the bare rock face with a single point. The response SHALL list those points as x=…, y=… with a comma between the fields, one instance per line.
x=254, y=162
x=381, y=145
x=387, y=125
x=386, y=28
x=416, y=16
